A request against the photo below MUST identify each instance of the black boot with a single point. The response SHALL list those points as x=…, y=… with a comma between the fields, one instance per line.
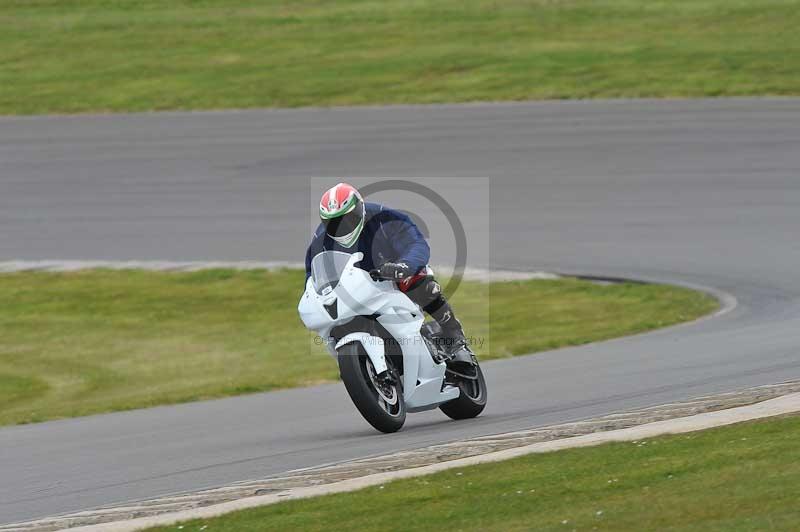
x=451, y=340
x=461, y=360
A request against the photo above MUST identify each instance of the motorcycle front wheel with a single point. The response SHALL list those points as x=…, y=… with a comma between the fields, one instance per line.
x=379, y=401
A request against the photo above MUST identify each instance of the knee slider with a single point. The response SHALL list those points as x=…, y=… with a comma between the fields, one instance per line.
x=433, y=288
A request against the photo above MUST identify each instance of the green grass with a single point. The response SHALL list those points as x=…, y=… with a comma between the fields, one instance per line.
x=738, y=478
x=72, y=56
x=95, y=341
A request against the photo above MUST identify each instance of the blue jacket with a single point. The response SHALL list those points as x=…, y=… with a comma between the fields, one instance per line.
x=388, y=236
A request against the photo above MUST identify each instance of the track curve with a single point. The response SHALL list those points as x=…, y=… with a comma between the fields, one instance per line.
x=698, y=192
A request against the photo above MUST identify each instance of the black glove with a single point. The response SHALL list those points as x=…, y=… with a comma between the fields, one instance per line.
x=396, y=271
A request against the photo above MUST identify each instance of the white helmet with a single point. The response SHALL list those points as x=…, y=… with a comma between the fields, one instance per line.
x=342, y=211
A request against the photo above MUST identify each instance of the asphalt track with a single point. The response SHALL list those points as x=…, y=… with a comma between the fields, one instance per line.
x=702, y=192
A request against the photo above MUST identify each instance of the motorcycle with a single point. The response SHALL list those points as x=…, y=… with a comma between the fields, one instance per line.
x=390, y=360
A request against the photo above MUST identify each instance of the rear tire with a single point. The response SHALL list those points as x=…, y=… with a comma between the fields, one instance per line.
x=355, y=368
x=471, y=401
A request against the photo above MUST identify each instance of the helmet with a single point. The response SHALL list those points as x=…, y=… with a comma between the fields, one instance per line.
x=342, y=212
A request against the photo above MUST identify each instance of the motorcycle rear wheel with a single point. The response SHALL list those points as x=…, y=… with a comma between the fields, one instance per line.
x=381, y=404
x=472, y=399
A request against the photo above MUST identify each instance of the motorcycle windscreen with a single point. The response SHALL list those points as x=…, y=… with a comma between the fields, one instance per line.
x=327, y=268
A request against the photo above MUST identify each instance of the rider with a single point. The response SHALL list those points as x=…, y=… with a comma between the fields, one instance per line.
x=394, y=245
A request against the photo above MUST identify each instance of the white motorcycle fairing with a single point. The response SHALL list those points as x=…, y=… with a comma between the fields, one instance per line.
x=357, y=294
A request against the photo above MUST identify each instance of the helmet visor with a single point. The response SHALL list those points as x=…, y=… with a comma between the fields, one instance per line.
x=345, y=224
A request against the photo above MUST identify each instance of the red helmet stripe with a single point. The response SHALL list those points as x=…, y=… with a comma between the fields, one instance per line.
x=336, y=197
x=343, y=192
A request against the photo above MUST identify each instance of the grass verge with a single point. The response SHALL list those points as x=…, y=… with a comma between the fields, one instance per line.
x=96, y=341
x=737, y=478
x=103, y=55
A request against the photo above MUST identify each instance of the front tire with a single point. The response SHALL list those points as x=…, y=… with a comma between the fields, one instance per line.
x=472, y=399
x=381, y=404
